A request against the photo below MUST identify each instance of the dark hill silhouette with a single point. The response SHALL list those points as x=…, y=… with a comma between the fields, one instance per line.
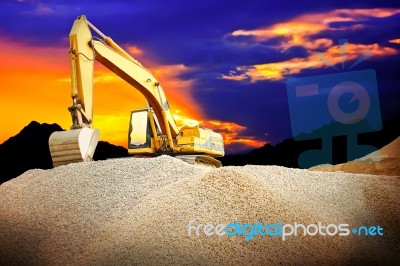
x=29, y=149
x=287, y=152
x=105, y=150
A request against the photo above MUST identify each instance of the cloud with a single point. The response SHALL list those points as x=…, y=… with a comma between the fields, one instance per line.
x=38, y=9
x=232, y=133
x=182, y=121
x=234, y=76
x=397, y=41
x=332, y=56
x=305, y=31
x=134, y=50
x=297, y=31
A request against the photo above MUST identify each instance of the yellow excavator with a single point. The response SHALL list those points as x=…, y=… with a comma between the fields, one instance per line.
x=152, y=130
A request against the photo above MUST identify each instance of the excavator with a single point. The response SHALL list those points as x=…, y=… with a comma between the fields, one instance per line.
x=152, y=130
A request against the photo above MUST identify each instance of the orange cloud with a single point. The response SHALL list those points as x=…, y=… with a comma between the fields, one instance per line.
x=234, y=76
x=134, y=50
x=277, y=71
x=395, y=41
x=298, y=30
x=182, y=120
x=231, y=133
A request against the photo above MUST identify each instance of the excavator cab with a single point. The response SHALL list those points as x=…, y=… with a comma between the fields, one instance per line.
x=140, y=131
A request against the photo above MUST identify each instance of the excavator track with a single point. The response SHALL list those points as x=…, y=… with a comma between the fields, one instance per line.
x=200, y=160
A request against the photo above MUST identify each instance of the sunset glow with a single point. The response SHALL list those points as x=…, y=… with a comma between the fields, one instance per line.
x=232, y=133
x=31, y=86
x=46, y=93
x=226, y=72
x=36, y=86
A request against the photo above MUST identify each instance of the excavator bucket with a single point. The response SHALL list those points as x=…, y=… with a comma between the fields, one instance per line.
x=73, y=146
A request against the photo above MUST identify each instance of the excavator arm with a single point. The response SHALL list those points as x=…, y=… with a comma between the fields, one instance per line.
x=79, y=143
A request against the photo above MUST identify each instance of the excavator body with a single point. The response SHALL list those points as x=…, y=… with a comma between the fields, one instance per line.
x=152, y=130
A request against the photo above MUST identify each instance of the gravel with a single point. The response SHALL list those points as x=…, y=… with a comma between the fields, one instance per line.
x=137, y=210
x=385, y=161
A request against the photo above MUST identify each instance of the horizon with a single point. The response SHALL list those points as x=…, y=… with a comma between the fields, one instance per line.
x=243, y=152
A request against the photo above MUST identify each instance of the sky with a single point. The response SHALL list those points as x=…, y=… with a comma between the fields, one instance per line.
x=223, y=64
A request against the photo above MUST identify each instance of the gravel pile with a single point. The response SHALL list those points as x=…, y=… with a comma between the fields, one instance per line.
x=48, y=216
x=386, y=161
x=136, y=211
